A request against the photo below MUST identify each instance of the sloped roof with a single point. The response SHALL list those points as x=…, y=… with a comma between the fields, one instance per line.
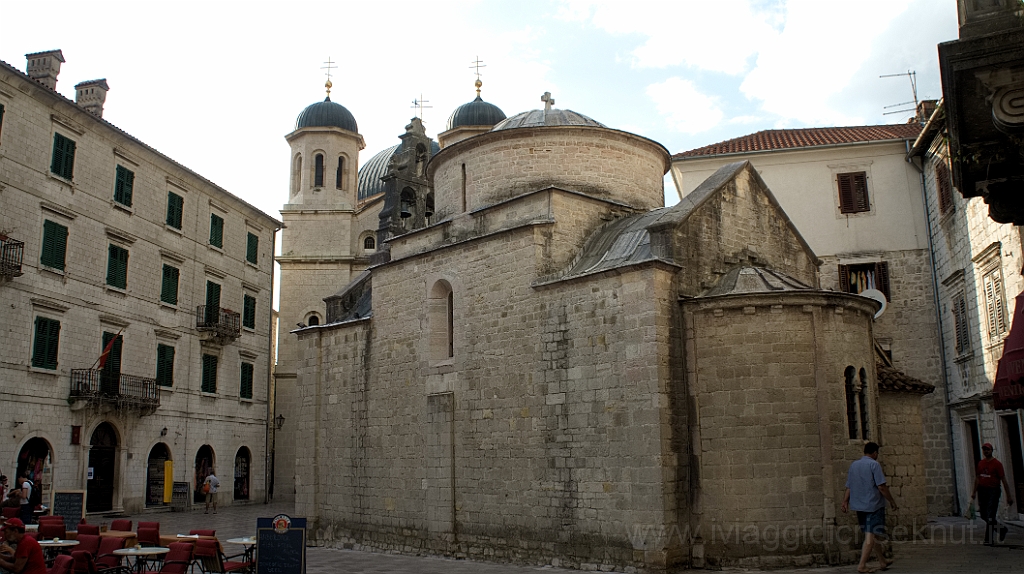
x=895, y=381
x=772, y=140
x=745, y=279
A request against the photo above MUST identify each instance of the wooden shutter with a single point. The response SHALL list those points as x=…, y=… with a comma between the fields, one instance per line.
x=993, y=285
x=44, y=349
x=212, y=302
x=249, y=312
x=853, y=192
x=943, y=186
x=245, y=388
x=124, y=182
x=63, y=161
x=216, y=230
x=117, y=267
x=55, y=240
x=175, y=206
x=252, y=248
x=165, y=365
x=844, y=278
x=169, y=287
x=209, y=374
x=963, y=341
x=882, y=278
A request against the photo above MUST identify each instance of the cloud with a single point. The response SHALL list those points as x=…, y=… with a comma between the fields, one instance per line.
x=686, y=109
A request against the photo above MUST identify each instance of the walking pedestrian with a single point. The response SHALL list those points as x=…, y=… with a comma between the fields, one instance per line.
x=986, y=487
x=210, y=486
x=866, y=493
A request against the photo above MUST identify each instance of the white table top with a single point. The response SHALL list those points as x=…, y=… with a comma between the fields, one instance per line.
x=245, y=540
x=58, y=543
x=144, y=551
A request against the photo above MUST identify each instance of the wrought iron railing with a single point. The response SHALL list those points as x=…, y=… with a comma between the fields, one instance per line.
x=12, y=253
x=99, y=386
x=219, y=321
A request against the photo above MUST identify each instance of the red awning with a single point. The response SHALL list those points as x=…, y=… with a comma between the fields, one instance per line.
x=1008, y=392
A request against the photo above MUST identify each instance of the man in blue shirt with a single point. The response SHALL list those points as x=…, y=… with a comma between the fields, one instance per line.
x=866, y=493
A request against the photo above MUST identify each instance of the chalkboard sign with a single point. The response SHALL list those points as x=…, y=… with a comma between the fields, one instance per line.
x=281, y=545
x=180, y=496
x=70, y=504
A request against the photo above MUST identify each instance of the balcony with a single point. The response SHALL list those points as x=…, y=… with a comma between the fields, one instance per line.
x=11, y=254
x=119, y=390
x=219, y=323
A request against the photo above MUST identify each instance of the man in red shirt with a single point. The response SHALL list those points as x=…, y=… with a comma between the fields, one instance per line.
x=986, y=488
x=28, y=558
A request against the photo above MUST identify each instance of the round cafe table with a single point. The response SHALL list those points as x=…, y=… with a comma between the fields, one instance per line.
x=53, y=546
x=249, y=542
x=142, y=555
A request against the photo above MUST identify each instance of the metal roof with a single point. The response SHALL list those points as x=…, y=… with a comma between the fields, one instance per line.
x=542, y=118
x=327, y=114
x=475, y=113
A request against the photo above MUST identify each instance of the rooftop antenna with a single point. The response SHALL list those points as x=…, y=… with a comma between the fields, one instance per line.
x=418, y=103
x=912, y=74
x=330, y=66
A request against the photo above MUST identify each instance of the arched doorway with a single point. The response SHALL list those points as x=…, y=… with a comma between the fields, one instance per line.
x=102, y=460
x=242, y=459
x=204, y=465
x=33, y=459
x=158, y=455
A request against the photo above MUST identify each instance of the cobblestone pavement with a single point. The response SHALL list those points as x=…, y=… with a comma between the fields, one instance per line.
x=960, y=553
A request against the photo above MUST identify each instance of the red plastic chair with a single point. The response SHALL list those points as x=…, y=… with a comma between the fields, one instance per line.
x=52, y=529
x=85, y=564
x=91, y=529
x=61, y=565
x=212, y=560
x=89, y=543
x=203, y=532
x=121, y=524
x=148, y=536
x=48, y=518
x=105, y=557
x=11, y=512
x=144, y=524
x=177, y=561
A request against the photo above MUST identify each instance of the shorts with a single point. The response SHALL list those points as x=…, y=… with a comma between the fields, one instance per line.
x=210, y=497
x=873, y=522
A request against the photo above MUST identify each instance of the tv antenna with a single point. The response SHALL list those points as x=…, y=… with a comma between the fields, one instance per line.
x=912, y=74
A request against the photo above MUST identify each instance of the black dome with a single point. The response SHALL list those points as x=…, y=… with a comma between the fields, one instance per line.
x=475, y=113
x=327, y=114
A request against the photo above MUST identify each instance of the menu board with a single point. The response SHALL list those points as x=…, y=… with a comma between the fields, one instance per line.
x=70, y=504
x=281, y=545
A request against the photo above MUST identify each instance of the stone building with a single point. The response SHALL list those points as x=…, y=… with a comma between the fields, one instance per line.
x=859, y=204
x=111, y=248
x=541, y=363
x=978, y=265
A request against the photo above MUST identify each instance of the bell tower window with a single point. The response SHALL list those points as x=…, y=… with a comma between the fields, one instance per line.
x=296, y=174
x=338, y=181
x=318, y=170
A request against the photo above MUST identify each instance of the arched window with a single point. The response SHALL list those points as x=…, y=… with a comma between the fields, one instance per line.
x=313, y=320
x=851, y=402
x=408, y=203
x=341, y=170
x=463, y=188
x=863, y=399
x=857, y=406
x=369, y=243
x=428, y=206
x=318, y=170
x=442, y=321
x=297, y=174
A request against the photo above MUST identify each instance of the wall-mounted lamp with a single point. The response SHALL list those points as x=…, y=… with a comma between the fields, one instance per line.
x=163, y=431
x=280, y=421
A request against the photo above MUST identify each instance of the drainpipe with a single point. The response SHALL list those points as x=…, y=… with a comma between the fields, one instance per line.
x=942, y=331
x=271, y=430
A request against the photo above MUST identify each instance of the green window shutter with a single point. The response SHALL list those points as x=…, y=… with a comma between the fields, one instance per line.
x=175, y=208
x=55, y=242
x=245, y=389
x=249, y=311
x=63, y=161
x=252, y=248
x=212, y=302
x=117, y=267
x=169, y=287
x=209, y=374
x=1, y=118
x=165, y=365
x=216, y=230
x=44, y=351
x=123, y=185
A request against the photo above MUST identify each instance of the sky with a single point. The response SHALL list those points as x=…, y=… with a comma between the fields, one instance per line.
x=217, y=84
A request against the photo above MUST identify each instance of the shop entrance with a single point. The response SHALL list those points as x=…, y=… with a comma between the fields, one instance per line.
x=159, y=455
x=242, y=459
x=204, y=464
x=102, y=460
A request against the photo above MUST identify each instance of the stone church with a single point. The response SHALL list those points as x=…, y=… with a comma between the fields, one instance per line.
x=509, y=349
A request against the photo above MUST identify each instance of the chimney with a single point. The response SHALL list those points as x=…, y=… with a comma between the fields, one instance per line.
x=43, y=67
x=925, y=109
x=91, y=95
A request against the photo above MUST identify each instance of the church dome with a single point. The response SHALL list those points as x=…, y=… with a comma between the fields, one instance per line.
x=542, y=118
x=327, y=114
x=377, y=167
x=475, y=113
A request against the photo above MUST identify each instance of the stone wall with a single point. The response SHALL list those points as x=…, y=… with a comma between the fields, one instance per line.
x=904, y=461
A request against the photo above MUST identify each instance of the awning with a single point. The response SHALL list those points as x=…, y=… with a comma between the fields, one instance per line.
x=1008, y=392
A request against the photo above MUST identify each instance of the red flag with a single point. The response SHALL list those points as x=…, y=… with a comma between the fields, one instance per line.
x=106, y=350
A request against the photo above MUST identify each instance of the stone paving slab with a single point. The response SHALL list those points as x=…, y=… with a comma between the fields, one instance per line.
x=961, y=552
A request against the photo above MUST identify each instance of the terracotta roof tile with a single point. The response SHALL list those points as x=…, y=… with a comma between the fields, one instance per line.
x=895, y=381
x=770, y=140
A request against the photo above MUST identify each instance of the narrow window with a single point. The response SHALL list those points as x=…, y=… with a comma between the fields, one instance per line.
x=338, y=179
x=963, y=336
x=318, y=170
x=994, y=302
x=863, y=400
x=853, y=192
x=249, y=311
x=245, y=388
x=851, y=403
x=169, y=285
x=63, y=161
x=451, y=324
x=944, y=186
x=209, y=374
x=110, y=373
x=165, y=365
x=860, y=277
x=175, y=209
x=44, y=350
x=124, y=182
x=55, y=245
x=297, y=175
x=216, y=230
x=117, y=267
x=212, y=314
x=369, y=243
x=441, y=321
x=463, y=187
x=313, y=321
x=1, y=119
x=252, y=248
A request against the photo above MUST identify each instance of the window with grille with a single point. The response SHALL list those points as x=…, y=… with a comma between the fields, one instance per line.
x=252, y=248
x=995, y=302
x=245, y=388
x=249, y=311
x=960, y=324
x=117, y=267
x=169, y=285
x=55, y=245
x=943, y=186
x=209, y=374
x=47, y=338
x=175, y=209
x=853, y=192
x=124, y=182
x=859, y=277
x=63, y=161
x=216, y=230
x=165, y=365
x=369, y=243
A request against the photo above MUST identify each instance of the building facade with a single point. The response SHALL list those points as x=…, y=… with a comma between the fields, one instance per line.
x=137, y=308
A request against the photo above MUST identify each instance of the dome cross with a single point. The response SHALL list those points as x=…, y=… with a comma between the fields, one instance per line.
x=548, y=101
x=330, y=66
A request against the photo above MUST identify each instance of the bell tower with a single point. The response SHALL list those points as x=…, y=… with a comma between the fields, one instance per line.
x=408, y=196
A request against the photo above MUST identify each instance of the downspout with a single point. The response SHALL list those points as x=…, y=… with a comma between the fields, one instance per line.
x=942, y=331
x=271, y=434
